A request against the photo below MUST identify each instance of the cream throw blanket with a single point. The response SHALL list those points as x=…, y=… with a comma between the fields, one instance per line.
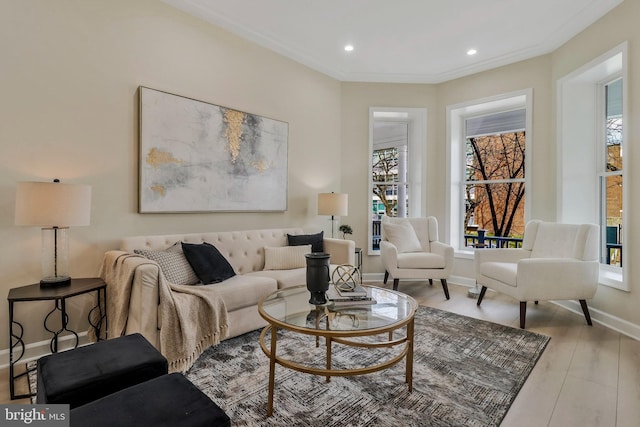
x=193, y=318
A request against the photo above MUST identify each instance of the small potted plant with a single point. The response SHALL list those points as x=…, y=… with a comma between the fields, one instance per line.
x=345, y=229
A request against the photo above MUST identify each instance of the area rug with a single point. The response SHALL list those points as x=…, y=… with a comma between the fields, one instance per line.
x=467, y=372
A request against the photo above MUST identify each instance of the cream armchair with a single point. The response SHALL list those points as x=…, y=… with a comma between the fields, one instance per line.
x=410, y=250
x=556, y=262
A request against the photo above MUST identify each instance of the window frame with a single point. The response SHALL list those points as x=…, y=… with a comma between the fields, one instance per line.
x=416, y=162
x=456, y=157
x=580, y=98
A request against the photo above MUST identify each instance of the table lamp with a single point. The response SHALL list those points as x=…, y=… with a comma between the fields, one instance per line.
x=55, y=207
x=334, y=204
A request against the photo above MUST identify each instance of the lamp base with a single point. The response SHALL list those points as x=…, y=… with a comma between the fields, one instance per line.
x=54, y=282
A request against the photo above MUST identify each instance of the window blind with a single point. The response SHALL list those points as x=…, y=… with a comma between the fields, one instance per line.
x=496, y=123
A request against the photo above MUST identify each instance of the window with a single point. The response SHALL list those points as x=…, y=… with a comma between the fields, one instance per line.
x=487, y=147
x=610, y=175
x=395, y=173
x=494, y=186
x=591, y=163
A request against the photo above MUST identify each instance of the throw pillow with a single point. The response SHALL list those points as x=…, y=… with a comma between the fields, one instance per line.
x=403, y=236
x=315, y=240
x=285, y=257
x=208, y=263
x=174, y=265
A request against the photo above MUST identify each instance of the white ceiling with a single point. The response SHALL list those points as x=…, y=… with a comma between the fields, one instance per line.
x=413, y=41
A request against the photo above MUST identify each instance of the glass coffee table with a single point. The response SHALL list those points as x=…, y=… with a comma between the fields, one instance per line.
x=289, y=309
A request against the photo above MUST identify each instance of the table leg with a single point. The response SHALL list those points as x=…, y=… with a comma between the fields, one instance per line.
x=409, y=372
x=64, y=322
x=11, y=346
x=329, y=341
x=101, y=316
x=272, y=369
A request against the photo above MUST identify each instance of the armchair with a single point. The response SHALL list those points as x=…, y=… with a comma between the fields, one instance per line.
x=556, y=262
x=410, y=250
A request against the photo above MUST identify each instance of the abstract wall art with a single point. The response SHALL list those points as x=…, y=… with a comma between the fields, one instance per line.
x=200, y=157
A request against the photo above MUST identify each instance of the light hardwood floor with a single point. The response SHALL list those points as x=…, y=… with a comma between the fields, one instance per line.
x=586, y=377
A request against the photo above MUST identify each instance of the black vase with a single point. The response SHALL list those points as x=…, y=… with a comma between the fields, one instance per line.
x=317, y=276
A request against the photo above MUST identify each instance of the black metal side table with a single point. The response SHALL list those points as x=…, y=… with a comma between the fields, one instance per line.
x=59, y=295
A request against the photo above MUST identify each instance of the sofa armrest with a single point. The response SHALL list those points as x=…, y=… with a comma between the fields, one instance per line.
x=133, y=297
x=341, y=251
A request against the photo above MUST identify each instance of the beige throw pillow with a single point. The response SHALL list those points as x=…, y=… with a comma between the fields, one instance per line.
x=285, y=257
x=174, y=265
x=402, y=236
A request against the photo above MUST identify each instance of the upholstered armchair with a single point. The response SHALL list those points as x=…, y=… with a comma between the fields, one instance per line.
x=556, y=262
x=410, y=250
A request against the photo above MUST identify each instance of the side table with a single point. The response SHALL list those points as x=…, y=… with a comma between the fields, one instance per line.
x=59, y=295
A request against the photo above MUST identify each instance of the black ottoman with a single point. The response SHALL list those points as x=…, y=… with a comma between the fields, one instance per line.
x=88, y=373
x=170, y=400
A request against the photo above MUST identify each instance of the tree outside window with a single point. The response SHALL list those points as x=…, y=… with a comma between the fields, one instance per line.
x=611, y=178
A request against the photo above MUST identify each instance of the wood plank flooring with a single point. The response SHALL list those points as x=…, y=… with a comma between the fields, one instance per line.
x=586, y=377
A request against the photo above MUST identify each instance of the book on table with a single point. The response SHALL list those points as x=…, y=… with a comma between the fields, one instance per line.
x=357, y=292
x=349, y=298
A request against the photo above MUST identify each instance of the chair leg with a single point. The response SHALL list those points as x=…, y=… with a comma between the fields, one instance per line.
x=482, y=292
x=444, y=287
x=386, y=276
x=430, y=282
x=523, y=313
x=395, y=284
x=585, y=310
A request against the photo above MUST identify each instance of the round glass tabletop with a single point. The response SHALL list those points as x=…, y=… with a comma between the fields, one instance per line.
x=290, y=308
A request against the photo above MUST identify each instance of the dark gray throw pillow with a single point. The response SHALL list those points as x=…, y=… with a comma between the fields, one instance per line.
x=315, y=240
x=208, y=263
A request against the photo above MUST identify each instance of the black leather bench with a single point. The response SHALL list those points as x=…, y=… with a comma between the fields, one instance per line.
x=170, y=400
x=82, y=375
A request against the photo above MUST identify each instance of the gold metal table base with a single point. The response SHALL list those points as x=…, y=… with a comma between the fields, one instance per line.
x=342, y=338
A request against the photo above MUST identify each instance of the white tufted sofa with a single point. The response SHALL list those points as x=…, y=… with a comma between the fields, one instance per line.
x=245, y=252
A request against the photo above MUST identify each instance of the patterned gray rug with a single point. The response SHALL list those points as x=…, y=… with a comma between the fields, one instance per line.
x=467, y=372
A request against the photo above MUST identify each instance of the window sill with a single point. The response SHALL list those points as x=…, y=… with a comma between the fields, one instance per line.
x=612, y=279
x=463, y=254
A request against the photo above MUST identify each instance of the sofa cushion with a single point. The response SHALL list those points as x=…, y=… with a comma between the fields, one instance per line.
x=285, y=278
x=174, y=265
x=402, y=236
x=208, y=263
x=285, y=257
x=244, y=290
x=315, y=240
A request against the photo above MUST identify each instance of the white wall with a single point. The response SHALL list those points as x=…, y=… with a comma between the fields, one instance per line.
x=69, y=75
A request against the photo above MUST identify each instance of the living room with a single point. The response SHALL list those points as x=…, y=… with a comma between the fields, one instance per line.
x=70, y=79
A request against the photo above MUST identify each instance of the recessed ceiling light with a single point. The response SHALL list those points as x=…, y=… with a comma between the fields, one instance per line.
x=471, y=52
x=348, y=48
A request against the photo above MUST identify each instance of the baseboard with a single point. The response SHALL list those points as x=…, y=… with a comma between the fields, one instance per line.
x=38, y=349
x=605, y=319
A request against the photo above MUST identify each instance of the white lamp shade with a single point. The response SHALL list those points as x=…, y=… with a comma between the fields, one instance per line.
x=334, y=204
x=52, y=204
